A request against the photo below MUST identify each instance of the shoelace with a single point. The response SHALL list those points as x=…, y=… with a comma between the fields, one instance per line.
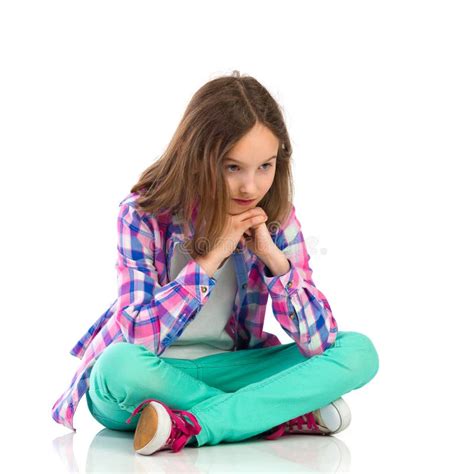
x=298, y=422
x=181, y=429
x=307, y=419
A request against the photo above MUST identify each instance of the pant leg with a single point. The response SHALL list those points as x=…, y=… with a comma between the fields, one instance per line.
x=125, y=374
x=274, y=385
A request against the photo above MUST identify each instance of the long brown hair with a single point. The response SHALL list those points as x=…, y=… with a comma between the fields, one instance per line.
x=190, y=172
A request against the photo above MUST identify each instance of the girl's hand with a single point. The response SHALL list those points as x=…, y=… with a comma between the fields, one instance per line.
x=258, y=239
x=235, y=227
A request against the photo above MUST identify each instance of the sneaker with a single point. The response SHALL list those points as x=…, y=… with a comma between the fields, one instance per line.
x=330, y=419
x=159, y=428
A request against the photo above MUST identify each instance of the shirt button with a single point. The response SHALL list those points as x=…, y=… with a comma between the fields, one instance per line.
x=292, y=315
x=244, y=286
x=289, y=284
x=203, y=289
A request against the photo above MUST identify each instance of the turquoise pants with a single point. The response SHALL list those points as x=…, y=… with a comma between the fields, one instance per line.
x=234, y=395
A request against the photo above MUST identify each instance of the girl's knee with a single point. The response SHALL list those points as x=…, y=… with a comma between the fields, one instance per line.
x=371, y=357
x=118, y=352
x=115, y=359
x=365, y=357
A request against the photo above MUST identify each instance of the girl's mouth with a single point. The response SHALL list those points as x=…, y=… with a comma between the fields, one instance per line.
x=243, y=202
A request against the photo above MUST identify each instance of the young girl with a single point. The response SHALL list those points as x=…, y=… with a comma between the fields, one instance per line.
x=207, y=234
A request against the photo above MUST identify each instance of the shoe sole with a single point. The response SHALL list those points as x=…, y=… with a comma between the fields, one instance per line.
x=153, y=429
x=344, y=413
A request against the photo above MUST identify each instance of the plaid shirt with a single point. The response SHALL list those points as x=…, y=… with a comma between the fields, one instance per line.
x=152, y=311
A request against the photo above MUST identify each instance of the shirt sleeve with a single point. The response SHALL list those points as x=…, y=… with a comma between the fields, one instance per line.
x=301, y=309
x=148, y=313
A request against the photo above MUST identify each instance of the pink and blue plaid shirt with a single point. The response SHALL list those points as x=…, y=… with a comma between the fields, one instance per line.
x=152, y=311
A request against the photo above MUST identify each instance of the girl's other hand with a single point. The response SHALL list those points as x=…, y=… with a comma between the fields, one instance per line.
x=235, y=228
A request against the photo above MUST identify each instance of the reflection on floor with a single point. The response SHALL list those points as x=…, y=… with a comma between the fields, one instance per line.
x=112, y=451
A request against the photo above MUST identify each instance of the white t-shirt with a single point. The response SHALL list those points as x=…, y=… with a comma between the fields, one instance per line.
x=205, y=334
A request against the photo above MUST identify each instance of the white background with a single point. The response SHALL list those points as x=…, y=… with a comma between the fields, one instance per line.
x=378, y=99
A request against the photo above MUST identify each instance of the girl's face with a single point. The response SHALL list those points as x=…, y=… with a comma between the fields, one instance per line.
x=250, y=166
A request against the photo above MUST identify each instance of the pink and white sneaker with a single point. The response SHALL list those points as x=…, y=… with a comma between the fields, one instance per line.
x=327, y=420
x=160, y=427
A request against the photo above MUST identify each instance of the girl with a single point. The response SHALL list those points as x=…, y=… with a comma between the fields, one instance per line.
x=207, y=234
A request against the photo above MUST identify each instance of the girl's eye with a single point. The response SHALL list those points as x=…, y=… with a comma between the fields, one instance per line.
x=265, y=164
